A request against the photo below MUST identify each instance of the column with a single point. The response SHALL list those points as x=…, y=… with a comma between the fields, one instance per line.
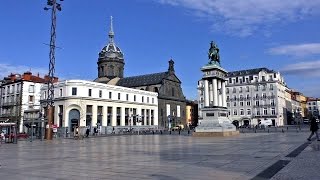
x=223, y=90
x=219, y=94
x=123, y=116
x=215, y=92
x=114, y=116
x=94, y=116
x=155, y=117
x=210, y=94
x=206, y=93
x=105, y=116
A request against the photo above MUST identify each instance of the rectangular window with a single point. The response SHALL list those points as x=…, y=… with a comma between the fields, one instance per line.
x=109, y=116
x=178, y=111
x=119, y=96
x=248, y=111
x=271, y=86
x=273, y=111
x=127, y=97
x=31, y=89
x=241, y=112
x=258, y=112
x=90, y=92
x=60, y=92
x=134, y=98
x=168, y=109
x=126, y=118
x=100, y=93
x=240, y=90
x=248, y=103
x=235, y=112
x=241, y=103
x=142, y=99
x=147, y=99
x=234, y=104
x=152, y=117
x=228, y=104
x=152, y=100
x=265, y=111
x=31, y=99
x=110, y=95
x=74, y=91
x=257, y=103
x=118, y=116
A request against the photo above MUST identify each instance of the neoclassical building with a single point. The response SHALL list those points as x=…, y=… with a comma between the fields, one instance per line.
x=172, y=102
x=253, y=95
x=85, y=103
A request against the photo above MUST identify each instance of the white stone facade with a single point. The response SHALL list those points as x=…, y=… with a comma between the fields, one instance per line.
x=19, y=98
x=101, y=105
x=253, y=95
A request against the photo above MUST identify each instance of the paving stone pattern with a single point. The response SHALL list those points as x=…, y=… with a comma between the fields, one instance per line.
x=159, y=157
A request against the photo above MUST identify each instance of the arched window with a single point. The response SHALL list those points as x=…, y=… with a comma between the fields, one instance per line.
x=156, y=89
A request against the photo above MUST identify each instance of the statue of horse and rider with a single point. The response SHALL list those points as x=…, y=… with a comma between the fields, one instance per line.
x=213, y=53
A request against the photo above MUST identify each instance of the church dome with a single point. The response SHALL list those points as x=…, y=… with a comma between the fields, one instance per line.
x=111, y=50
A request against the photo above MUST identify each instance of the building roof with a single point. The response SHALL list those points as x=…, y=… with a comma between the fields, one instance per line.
x=249, y=72
x=143, y=80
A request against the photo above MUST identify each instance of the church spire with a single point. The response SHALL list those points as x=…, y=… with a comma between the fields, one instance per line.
x=111, y=33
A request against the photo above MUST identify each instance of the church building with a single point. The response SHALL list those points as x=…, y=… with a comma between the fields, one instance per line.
x=171, y=100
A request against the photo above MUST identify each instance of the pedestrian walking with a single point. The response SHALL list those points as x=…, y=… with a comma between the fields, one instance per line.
x=2, y=137
x=314, y=128
x=87, y=132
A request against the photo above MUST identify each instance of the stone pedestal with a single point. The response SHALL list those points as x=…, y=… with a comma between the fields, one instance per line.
x=215, y=123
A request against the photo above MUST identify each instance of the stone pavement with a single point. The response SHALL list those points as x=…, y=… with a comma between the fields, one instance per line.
x=156, y=157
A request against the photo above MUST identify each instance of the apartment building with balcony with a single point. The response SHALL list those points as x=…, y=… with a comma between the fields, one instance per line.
x=254, y=95
x=313, y=107
x=20, y=97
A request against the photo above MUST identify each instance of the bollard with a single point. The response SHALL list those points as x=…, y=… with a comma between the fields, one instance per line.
x=282, y=131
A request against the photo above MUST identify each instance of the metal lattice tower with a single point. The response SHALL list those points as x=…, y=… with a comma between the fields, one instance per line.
x=54, y=6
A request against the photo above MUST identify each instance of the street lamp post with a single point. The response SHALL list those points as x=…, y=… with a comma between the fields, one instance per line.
x=54, y=6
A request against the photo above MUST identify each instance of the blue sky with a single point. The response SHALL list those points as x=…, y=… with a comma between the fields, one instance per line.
x=280, y=35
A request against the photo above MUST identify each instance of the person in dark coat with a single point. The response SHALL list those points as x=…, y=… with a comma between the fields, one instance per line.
x=87, y=132
x=314, y=128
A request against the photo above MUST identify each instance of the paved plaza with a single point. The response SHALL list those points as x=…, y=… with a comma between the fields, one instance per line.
x=167, y=157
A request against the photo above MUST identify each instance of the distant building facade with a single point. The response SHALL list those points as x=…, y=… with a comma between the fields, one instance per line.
x=80, y=103
x=172, y=102
x=192, y=113
x=20, y=97
x=254, y=95
x=313, y=106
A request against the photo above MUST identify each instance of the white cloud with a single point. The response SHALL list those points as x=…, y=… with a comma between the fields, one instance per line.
x=303, y=69
x=296, y=50
x=7, y=69
x=244, y=17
